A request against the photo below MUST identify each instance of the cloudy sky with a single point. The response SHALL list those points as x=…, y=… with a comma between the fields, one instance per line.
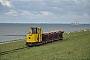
x=44, y=11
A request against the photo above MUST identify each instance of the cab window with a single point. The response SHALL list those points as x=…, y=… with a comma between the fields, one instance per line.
x=34, y=30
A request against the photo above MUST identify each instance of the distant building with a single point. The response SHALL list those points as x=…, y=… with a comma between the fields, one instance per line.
x=75, y=23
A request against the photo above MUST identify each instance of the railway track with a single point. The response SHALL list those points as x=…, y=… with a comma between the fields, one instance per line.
x=17, y=49
x=11, y=51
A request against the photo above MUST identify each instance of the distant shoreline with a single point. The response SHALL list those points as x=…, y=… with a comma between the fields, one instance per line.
x=41, y=23
x=10, y=41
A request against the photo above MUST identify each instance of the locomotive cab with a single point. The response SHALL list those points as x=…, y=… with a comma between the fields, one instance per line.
x=34, y=36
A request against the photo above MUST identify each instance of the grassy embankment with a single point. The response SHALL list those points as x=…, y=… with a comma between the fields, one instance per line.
x=74, y=46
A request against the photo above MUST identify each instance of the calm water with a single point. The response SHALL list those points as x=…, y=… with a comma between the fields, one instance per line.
x=22, y=29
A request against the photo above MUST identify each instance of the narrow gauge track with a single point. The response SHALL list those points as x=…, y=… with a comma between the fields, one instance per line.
x=11, y=51
x=17, y=49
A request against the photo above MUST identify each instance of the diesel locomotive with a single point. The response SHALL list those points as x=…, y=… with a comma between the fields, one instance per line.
x=36, y=37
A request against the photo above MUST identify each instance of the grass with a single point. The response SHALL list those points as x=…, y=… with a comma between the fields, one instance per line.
x=74, y=46
x=11, y=46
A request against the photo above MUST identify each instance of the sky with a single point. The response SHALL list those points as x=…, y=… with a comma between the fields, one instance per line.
x=44, y=11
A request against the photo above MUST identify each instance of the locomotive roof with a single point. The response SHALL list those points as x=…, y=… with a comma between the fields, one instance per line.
x=35, y=27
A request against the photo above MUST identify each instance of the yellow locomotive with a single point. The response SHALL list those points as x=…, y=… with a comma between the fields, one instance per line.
x=35, y=36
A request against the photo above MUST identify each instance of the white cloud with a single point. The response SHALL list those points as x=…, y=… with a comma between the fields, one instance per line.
x=12, y=13
x=6, y=3
x=32, y=13
x=86, y=15
x=25, y=12
x=46, y=13
x=42, y=14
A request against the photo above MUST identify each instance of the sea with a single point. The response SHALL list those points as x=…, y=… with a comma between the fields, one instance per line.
x=24, y=28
